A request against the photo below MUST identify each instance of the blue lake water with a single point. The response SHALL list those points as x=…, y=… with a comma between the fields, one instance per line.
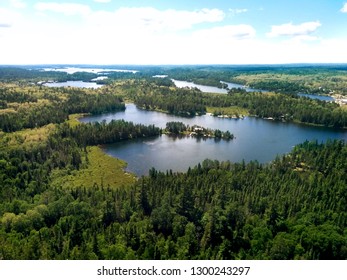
x=256, y=139
x=319, y=97
x=72, y=70
x=211, y=89
x=79, y=84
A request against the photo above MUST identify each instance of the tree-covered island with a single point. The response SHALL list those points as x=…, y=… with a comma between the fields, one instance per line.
x=180, y=129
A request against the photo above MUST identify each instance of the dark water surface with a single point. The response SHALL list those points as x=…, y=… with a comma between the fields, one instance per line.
x=256, y=139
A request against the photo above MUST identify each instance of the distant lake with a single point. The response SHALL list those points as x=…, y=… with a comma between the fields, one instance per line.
x=246, y=88
x=256, y=139
x=183, y=84
x=79, y=84
x=71, y=70
x=100, y=78
x=319, y=97
x=211, y=89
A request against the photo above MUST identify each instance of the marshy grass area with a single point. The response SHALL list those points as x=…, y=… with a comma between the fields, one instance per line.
x=97, y=168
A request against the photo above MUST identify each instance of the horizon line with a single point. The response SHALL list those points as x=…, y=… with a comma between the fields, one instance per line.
x=187, y=64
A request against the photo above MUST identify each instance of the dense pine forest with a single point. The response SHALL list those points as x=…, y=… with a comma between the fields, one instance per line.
x=51, y=207
x=294, y=208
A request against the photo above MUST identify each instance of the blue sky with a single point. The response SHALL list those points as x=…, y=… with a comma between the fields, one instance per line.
x=173, y=32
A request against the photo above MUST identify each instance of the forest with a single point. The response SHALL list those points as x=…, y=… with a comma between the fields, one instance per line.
x=34, y=107
x=294, y=208
x=279, y=106
x=324, y=79
x=291, y=208
x=306, y=78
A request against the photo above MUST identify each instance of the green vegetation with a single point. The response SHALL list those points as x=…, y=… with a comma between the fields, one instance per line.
x=185, y=102
x=232, y=111
x=96, y=168
x=191, y=102
x=294, y=208
x=284, y=107
x=61, y=197
x=33, y=177
x=26, y=137
x=315, y=79
x=49, y=105
x=179, y=128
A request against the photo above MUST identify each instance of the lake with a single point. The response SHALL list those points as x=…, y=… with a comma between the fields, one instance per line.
x=72, y=70
x=319, y=97
x=79, y=84
x=256, y=139
x=211, y=89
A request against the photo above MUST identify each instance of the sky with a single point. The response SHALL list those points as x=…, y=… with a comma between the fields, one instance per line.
x=152, y=32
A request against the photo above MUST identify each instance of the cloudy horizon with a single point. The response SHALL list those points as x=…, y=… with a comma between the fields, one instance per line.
x=157, y=32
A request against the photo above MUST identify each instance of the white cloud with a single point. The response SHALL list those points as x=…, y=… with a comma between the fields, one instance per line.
x=126, y=35
x=153, y=20
x=238, y=11
x=8, y=17
x=226, y=33
x=291, y=30
x=344, y=8
x=19, y=4
x=153, y=36
x=68, y=9
x=322, y=51
x=102, y=1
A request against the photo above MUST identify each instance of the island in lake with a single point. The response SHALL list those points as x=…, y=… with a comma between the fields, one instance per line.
x=179, y=129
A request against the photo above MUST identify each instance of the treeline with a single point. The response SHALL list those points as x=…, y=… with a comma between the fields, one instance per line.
x=25, y=171
x=281, y=86
x=315, y=79
x=28, y=202
x=81, y=102
x=283, y=107
x=10, y=95
x=262, y=77
x=19, y=74
x=32, y=116
x=174, y=101
x=293, y=208
x=203, y=75
x=34, y=75
x=55, y=106
x=86, y=134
